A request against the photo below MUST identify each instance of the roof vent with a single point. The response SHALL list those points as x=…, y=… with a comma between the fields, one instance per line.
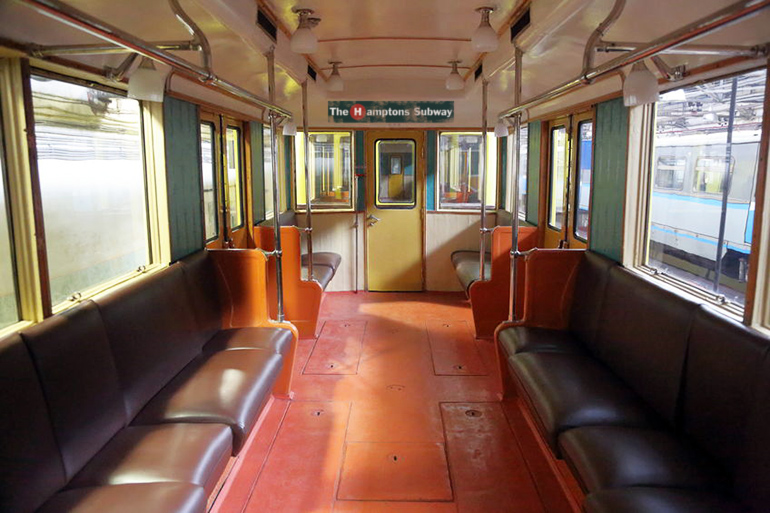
x=520, y=25
x=479, y=71
x=267, y=25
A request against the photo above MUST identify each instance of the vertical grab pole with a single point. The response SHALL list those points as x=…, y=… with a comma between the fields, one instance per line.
x=308, y=212
x=482, y=192
x=274, y=117
x=514, y=174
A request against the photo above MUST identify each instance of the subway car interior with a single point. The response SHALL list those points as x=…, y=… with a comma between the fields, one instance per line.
x=384, y=256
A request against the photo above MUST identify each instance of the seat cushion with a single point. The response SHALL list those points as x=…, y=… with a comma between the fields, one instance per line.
x=466, y=264
x=31, y=467
x=153, y=334
x=724, y=359
x=658, y=500
x=615, y=457
x=326, y=258
x=80, y=381
x=277, y=340
x=322, y=274
x=226, y=387
x=186, y=453
x=523, y=339
x=130, y=498
x=643, y=333
x=200, y=277
x=569, y=390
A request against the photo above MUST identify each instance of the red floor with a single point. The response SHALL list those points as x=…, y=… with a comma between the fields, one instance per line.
x=394, y=410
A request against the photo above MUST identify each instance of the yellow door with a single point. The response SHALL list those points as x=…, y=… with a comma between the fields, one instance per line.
x=570, y=169
x=395, y=170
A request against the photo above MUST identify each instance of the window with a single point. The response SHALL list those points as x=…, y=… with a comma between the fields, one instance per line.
x=92, y=181
x=459, y=177
x=558, y=177
x=669, y=172
x=395, y=179
x=9, y=307
x=208, y=168
x=701, y=209
x=267, y=152
x=584, y=170
x=523, y=170
x=234, y=177
x=331, y=170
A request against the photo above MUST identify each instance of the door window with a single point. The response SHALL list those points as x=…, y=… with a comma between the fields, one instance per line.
x=395, y=179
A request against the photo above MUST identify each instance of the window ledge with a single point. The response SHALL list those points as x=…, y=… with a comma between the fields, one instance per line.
x=681, y=288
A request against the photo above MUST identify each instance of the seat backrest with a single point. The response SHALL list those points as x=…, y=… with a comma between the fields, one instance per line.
x=643, y=338
x=31, y=468
x=288, y=218
x=199, y=273
x=503, y=218
x=752, y=480
x=80, y=382
x=590, y=287
x=153, y=334
x=724, y=359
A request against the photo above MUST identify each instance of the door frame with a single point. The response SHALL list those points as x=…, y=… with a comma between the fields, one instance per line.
x=571, y=122
x=371, y=136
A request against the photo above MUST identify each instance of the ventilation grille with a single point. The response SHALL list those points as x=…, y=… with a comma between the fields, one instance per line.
x=267, y=25
x=520, y=25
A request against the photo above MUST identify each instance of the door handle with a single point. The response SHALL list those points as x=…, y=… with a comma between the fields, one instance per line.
x=372, y=220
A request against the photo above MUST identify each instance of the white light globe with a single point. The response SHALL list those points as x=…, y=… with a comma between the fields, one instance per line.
x=304, y=41
x=640, y=87
x=484, y=39
x=335, y=82
x=454, y=82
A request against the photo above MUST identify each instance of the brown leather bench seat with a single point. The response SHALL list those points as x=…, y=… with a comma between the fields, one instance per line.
x=325, y=263
x=133, y=402
x=466, y=264
x=654, y=402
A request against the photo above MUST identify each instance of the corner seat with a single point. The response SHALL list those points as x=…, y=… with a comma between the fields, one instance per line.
x=130, y=498
x=658, y=500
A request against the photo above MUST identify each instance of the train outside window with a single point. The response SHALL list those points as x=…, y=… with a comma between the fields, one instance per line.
x=558, y=176
x=459, y=171
x=9, y=302
x=523, y=165
x=92, y=181
x=208, y=170
x=706, y=155
x=330, y=164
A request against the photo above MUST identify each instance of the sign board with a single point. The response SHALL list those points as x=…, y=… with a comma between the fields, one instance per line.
x=391, y=112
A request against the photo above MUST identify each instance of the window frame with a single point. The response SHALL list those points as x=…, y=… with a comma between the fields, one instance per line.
x=297, y=162
x=640, y=185
x=495, y=179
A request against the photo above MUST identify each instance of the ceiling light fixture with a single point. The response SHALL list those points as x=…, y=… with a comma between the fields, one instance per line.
x=501, y=129
x=484, y=39
x=640, y=86
x=454, y=82
x=146, y=82
x=289, y=128
x=335, y=80
x=303, y=40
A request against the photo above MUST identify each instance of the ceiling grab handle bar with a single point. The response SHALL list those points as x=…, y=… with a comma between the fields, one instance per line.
x=483, y=180
x=308, y=208
x=274, y=121
x=596, y=36
x=198, y=36
x=69, y=15
x=514, y=177
x=706, y=25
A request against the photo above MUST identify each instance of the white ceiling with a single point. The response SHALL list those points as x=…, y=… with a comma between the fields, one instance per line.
x=388, y=68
